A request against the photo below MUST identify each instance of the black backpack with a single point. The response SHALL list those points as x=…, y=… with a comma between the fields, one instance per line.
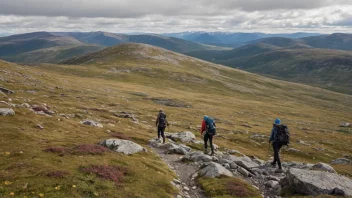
x=211, y=129
x=282, y=134
x=162, y=119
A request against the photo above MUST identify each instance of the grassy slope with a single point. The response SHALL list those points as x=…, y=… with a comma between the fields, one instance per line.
x=330, y=69
x=53, y=54
x=104, y=85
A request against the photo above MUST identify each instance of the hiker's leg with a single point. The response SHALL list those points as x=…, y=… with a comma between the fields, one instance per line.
x=159, y=132
x=274, y=162
x=211, y=143
x=278, y=155
x=206, y=141
x=276, y=152
x=162, y=133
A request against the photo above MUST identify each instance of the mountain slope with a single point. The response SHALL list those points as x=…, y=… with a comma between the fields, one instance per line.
x=138, y=80
x=337, y=41
x=16, y=44
x=52, y=54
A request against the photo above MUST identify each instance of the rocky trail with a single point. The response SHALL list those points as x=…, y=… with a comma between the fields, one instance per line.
x=296, y=177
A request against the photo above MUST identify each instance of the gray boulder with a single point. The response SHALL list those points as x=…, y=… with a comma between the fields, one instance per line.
x=181, y=136
x=345, y=124
x=197, y=156
x=316, y=183
x=122, y=146
x=7, y=112
x=4, y=90
x=341, y=161
x=214, y=170
x=92, y=123
x=272, y=184
x=323, y=167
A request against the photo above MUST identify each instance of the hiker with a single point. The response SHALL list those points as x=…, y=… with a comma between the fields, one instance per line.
x=161, y=123
x=209, y=130
x=279, y=137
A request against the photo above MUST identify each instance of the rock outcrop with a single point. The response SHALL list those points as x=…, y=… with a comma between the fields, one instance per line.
x=341, y=161
x=214, y=170
x=308, y=182
x=323, y=167
x=122, y=146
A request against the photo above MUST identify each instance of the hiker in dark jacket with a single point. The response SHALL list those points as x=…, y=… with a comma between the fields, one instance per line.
x=276, y=144
x=161, y=123
x=209, y=132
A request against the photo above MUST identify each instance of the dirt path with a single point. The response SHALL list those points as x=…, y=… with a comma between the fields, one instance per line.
x=184, y=171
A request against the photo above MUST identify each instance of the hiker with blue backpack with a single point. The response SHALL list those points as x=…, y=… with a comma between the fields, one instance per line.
x=209, y=130
x=279, y=137
x=161, y=123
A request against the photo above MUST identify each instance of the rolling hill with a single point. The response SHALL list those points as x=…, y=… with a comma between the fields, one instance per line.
x=111, y=39
x=293, y=60
x=138, y=80
x=16, y=44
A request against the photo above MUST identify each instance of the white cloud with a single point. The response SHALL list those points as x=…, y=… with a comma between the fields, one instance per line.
x=18, y=16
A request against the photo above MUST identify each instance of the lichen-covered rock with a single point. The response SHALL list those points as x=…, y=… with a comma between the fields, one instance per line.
x=314, y=183
x=7, y=112
x=122, y=146
x=214, y=170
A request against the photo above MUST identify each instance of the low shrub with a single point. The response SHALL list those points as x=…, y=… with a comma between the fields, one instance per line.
x=112, y=173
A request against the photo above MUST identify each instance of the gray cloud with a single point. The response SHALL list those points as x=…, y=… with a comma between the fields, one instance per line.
x=17, y=16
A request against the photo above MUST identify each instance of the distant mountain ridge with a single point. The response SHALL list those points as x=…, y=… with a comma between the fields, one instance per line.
x=310, y=60
x=230, y=39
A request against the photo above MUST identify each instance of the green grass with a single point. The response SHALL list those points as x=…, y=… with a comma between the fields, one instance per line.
x=224, y=187
x=95, y=92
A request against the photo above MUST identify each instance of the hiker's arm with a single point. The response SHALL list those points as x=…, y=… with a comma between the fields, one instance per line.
x=157, y=120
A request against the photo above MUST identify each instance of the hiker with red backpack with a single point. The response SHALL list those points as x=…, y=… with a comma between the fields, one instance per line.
x=161, y=123
x=279, y=137
x=209, y=130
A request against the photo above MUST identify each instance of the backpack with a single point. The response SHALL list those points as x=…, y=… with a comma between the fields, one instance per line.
x=211, y=129
x=162, y=119
x=282, y=134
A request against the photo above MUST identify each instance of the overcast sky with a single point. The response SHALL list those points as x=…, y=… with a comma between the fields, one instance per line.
x=156, y=16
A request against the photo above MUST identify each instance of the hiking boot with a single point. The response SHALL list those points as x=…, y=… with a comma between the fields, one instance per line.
x=273, y=164
x=206, y=151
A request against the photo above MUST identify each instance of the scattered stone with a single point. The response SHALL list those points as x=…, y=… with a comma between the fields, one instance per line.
x=272, y=184
x=40, y=126
x=233, y=165
x=185, y=188
x=92, y=123
x=25, y=105
x=303, y=143
x=345, y=124
x=246, y=125
x=243, y=171
x=179, y=196
x=316, y=183
x=122, y=146
x=7, y=112
x=293, y=150
x=186, y=136
x=259, y=137
x=232, y=152
x=42, y=108
x=7, y=91
x=176, y=181
x=323, y=167
x=214, y=170
x=194, y=187
x=273, y=178
x=197, y=156
x=341, y=161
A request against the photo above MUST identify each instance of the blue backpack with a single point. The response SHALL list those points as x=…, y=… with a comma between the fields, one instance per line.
x=210, y=124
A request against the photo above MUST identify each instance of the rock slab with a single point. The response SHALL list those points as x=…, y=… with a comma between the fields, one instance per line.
x=316, y=183
x=186, y=136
